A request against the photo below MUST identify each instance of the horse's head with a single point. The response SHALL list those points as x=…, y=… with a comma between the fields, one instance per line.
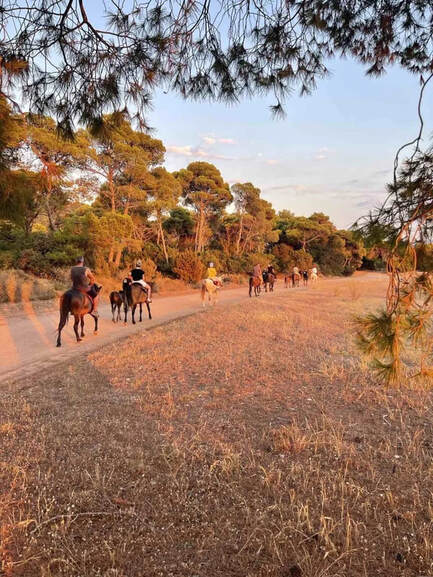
x=97, y=288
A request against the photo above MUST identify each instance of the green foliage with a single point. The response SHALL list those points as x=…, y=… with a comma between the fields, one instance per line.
x=189, y=267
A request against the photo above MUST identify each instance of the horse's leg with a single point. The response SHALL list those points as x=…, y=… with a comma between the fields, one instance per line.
x=148, y=310
x=96, y=317
x=133, y=313
x=62, y=322
x=82, y=325
x=125, y=310
x=141, y=312
x=113, y=308
x=76, y=323
x=251, y=287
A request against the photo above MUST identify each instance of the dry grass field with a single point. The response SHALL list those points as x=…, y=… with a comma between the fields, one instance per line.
x=247, y=441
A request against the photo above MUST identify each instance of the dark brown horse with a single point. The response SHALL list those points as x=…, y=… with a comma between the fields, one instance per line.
x=77, y=303
x=117, y=299
x=255, y=283
x=135, y=295
x=269, y=279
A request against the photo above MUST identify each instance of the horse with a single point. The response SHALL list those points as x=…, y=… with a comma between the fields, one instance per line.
x=211, y=288
x=305, y=277
x=296, y=277
x=255, y=283
x=314, y=277
x=269, y=279
x=135, y=295
x=287, y=280
x=78, y=303
x=117, y=299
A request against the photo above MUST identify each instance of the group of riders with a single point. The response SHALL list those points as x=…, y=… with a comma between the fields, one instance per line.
x=84, y=281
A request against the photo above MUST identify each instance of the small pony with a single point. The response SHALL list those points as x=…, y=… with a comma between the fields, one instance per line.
x=117, y=299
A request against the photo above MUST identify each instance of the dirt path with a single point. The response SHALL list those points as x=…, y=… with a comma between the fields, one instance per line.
x=28, y=340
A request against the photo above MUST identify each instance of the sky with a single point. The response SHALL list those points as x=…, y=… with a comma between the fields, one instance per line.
x=333, y=152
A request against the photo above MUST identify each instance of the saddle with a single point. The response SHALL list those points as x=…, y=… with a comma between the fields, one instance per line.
x=140, y=285
x=90, y=297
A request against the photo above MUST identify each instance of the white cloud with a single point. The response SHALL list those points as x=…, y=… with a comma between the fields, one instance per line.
x=196, y=152
x=322, y=153
x=180, y=150
x=211, y=139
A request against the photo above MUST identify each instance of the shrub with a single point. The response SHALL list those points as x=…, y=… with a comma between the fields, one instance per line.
x=17, y=286
x=189, y=267
x=263, y=260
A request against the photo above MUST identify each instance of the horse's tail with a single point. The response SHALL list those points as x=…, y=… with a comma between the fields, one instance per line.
x=65, y=307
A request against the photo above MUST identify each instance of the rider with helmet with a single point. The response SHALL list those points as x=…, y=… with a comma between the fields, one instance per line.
x=211, y=274
x=137, y=275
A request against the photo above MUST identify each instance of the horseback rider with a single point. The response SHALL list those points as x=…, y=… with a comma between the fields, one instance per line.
x=83, y=280
x=271, y=270
x=257, y=271
x=295, y=270
x=211, y=274
x=137, y=275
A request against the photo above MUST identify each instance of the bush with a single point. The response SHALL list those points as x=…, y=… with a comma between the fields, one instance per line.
x=189, y=267
x=149, y=268
x=264, y=260
x=17, y=286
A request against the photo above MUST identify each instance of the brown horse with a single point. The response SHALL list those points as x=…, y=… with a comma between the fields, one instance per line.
x=117, y=299
x=255, y=283
x=296, y=277
x=269, y=280
x=77, y=303
x=135, y=295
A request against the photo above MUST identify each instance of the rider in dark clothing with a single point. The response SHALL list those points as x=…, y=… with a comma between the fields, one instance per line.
x=137, y=275
x=271, y=269
x=84, y=281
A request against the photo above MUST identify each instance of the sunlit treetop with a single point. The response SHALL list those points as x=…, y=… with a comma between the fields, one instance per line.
x=75, y=66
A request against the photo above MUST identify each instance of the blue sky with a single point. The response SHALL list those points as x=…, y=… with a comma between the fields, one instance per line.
x=332, y=153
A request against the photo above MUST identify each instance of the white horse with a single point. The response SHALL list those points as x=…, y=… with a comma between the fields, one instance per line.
x=211, y=288
x=313, y=276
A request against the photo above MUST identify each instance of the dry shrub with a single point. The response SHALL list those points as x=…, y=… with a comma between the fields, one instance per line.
x=189, y=267
x=288, y=439
x=17, y=286
x=149, y=268
x=354, y=290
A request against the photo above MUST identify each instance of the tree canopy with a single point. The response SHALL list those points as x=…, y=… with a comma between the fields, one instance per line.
x=76, y=66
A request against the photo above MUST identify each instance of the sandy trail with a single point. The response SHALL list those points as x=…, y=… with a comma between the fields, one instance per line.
x=28, y=340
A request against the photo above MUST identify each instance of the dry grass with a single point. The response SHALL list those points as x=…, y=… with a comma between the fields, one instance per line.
x=17, y=286
x=245, y=441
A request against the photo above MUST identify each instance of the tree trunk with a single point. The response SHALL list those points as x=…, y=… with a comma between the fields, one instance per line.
x=112, y=190
x=118, y=255
x=241, y=229
x=161, y=233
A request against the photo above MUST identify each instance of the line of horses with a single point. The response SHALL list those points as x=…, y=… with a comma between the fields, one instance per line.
x=79, y=303
x=132, y=295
